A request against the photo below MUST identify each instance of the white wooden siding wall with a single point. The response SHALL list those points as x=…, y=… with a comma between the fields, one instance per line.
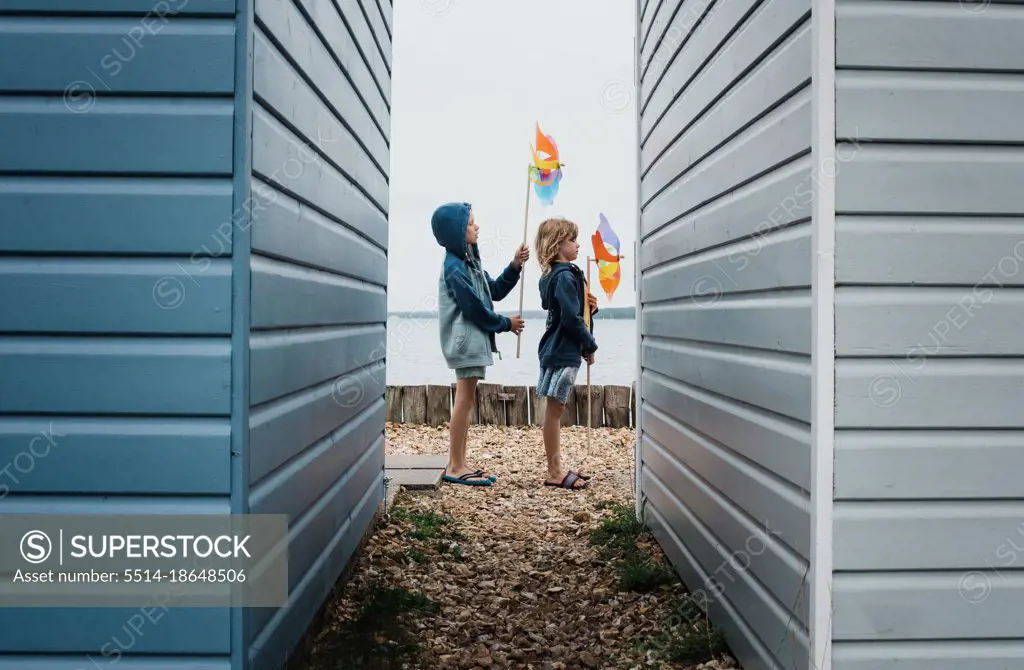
x=725, y=257
x=929, y=513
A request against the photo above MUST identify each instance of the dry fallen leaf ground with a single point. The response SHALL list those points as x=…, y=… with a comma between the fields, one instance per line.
x=509, y=574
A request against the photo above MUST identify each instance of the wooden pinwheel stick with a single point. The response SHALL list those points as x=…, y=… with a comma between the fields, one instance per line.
x=522, y=276
x=586, y=320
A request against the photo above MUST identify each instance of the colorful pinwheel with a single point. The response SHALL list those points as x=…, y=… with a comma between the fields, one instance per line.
x=607, y=252
x=546, y=171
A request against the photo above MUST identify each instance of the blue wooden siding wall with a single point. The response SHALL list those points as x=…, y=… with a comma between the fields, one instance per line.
x=320, y=165
x=929, y=353
x=116, y=193
x=725, y=316
x=150, y=329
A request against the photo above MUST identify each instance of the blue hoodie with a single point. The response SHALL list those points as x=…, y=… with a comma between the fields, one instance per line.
x=466, y=293
x=566, y=337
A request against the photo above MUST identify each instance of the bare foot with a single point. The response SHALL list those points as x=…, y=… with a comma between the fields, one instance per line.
x=570, y=480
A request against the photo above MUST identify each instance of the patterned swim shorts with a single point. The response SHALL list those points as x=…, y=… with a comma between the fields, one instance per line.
x=556, y=383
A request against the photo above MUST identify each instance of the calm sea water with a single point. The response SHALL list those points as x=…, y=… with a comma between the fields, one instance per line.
x=414, y=354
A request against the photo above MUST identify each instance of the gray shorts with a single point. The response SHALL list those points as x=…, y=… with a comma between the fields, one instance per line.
x=556, y=383
x=477, y=371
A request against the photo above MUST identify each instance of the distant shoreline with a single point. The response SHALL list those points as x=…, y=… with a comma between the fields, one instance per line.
x=603, y=313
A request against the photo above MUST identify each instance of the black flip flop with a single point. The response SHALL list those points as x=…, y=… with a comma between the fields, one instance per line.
x=569, y=482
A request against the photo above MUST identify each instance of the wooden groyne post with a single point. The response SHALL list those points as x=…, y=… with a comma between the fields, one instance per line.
x=498, y=405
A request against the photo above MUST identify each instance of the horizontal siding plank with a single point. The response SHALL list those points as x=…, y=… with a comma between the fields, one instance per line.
x=142, y=7
x=928, y=464
x=923, y=322
x=769, y=321
x=388, y=13
x=783, y=71
x=707, y=38
x=927, y=535
x=82, y=56
x=920, y=250
x=91, y=630
x=115, y=376
x=651, y=8
x=775, y=565
x=656, y=31
x=285, y=24
x=280, y=88
x=295, y=487
x=279, y=431
x=928, y=35
x=115, y=216
x=115, y=295
x=118, y=135
x=743, y=642
x=778, y=198
x=932, y=180
x=773, y=260
x=277, y=631
x=380, y=33
x=283, y=228
x=896, y=394
x=82, y=504
x=771, y=504
x=283, y=363
x=286, y=296
x=687, y=17
x=373, y=85
x=88, y=456
x=930, y=655
x=781, y=385
x=344, y=497
x=364, y=42
x=780, y=136
x=772, y=625
x=926, y=605
x=929, y=106
x=279, y=159
x=123, y=662
x=777, y=445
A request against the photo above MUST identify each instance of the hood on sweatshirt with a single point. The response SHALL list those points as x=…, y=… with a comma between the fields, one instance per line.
x=449, y=224
x=547, y=283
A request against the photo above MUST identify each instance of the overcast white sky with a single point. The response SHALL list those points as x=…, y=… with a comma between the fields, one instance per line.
x=470, y=80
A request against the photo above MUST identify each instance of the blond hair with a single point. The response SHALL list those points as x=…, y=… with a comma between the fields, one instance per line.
x=550, y=235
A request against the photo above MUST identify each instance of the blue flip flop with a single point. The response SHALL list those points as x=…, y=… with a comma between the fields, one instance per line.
x=466, y=479
x=480, y=473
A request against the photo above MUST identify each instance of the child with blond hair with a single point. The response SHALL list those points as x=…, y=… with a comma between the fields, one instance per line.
x=566, y=341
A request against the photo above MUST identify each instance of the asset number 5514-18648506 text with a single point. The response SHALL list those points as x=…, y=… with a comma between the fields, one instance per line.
x=185, y=576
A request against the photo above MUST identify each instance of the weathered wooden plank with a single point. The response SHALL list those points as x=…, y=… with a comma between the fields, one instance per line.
x=569, y=415
x=414, y=404
x=490, y=406
x=394, y=402
x=616, y=406
x=439, y=404
x=632, y=405
x=517, y=405
x=596, y=404
x=536, y=407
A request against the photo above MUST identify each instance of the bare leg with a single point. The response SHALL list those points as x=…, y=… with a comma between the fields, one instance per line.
x=553, y=442
x=465, y=391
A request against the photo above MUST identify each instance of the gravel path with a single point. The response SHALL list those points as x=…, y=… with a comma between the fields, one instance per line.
x=512, y=577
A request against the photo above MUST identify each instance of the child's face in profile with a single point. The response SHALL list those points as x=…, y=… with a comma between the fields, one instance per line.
x=569, y=249
x=472, y=230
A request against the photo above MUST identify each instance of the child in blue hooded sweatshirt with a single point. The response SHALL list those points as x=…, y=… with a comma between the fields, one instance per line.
x=566, y=341
x=465, y=310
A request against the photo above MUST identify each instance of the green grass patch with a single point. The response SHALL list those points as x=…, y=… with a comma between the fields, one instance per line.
x=427, y=525
x=686, y=636
x=377, y=637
